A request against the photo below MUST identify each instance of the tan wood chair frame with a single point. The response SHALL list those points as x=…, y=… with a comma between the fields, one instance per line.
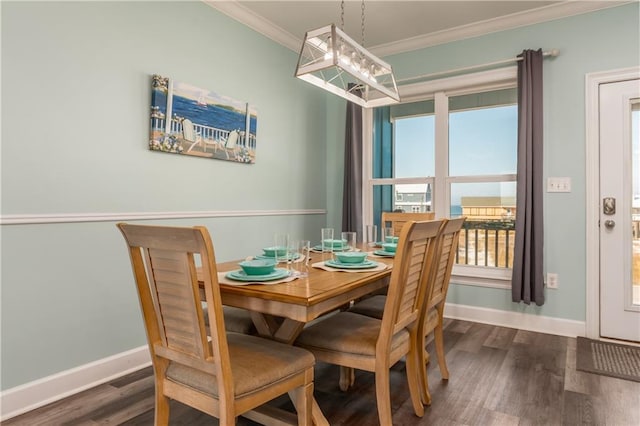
x=407, y=287
x=432, y=316
x=163, y=262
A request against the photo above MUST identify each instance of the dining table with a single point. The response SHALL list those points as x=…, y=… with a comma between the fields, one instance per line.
x=280, y=311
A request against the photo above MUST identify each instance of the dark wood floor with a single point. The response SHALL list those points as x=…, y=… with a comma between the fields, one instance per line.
x=499, y=376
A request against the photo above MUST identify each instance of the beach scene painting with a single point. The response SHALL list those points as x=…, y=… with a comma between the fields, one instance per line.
x=190, y=120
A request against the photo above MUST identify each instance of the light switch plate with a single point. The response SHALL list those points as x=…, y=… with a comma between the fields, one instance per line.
x=559, y=184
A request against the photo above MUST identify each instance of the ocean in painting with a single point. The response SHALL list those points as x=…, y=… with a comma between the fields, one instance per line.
x=207, y=115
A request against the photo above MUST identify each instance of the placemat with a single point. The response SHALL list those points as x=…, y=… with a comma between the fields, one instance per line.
x=321, y=265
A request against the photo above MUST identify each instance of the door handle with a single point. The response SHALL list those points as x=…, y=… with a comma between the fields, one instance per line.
x=609, y=206
x=610, y=224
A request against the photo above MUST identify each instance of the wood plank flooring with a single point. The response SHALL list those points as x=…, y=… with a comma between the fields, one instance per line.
x=498, y=376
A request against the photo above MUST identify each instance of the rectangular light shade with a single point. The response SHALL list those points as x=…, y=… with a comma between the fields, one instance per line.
x=333, y=61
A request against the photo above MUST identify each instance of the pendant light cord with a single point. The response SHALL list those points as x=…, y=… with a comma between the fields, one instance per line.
x=362, y=23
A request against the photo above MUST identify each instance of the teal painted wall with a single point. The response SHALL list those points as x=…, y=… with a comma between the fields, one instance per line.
x=598, y=41
x=75, y=105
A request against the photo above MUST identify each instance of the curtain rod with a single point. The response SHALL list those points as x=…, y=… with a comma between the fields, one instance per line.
x=552, y=53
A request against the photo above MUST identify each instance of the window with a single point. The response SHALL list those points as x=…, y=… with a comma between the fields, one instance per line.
x=453, y=152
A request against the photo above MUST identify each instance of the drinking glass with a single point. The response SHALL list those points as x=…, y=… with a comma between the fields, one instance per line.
x=281, y=247
x=300, y=264
x=350, y=238
x=371, y=235
x=327, y=240
x=387, y=235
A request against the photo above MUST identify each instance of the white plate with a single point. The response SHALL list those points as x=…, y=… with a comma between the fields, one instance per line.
x=240, y=275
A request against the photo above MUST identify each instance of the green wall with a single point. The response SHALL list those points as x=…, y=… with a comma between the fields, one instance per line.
x=75, y=107
x=598, y=41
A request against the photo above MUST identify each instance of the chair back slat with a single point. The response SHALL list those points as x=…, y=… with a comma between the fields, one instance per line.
x=414, y=255
x=173, y=286
x=437, y=291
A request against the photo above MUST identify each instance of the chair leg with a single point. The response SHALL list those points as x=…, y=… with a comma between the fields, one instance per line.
x=383, y=397
x=347, y=378
x=303, y=403
x=439, y=341
x=425, y=396
x=162, y=409
x=413, y=379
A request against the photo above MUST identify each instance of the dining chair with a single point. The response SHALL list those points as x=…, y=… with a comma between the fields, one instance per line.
x=222, y=374
x=396, y=220
x=360, y=342
x=431, y=316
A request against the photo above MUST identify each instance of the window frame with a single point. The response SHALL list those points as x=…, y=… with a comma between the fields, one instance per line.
x=440, y=90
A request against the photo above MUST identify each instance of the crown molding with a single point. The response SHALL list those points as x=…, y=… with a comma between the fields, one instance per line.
x=565, y=9
x=247, y=17
x=515, y=20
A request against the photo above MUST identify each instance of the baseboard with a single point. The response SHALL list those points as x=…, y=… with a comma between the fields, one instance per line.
x=519, y=320
x=27, y=397
x=32, y=395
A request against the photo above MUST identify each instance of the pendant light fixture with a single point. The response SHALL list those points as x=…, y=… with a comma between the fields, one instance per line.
x=333, y=61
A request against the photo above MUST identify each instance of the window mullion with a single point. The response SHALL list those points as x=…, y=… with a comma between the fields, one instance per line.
x=440, y=194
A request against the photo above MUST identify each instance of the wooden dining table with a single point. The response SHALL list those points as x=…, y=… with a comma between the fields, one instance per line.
x=280, y=311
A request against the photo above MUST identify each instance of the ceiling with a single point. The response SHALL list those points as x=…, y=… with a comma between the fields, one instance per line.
x=398, y=26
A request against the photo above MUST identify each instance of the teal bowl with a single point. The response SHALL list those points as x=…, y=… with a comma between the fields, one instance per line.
x=271, y=251
x=258, y=266
x=391, y=239
x=352, y=256
x=390, y=247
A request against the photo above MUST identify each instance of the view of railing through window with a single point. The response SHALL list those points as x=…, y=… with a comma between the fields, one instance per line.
x=487, y=243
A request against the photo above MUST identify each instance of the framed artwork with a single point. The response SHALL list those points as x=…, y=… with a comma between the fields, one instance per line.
x=189, y=120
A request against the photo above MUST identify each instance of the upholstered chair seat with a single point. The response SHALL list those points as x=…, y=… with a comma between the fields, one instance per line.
x=277, y=362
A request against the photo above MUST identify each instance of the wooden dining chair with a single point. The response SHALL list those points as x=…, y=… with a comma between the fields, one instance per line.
x=431, y=316
x=222, y=374
x=357, y=341
x=396, y=220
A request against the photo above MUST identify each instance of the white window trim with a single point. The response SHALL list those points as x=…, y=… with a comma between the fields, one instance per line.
x=439, y=90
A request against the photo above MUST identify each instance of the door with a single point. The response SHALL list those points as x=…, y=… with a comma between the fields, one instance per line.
x=620, y=210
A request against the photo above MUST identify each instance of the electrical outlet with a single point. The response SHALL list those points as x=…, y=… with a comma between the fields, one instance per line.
x=552, y=280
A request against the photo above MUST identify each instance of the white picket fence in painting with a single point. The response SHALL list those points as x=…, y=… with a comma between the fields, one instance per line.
x=205, y=132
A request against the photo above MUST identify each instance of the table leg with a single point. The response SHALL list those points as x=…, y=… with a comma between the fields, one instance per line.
x=347, y=378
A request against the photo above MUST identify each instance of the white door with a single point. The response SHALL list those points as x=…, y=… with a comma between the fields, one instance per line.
x=620, y=210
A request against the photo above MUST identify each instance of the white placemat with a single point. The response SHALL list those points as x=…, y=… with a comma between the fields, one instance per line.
x=321, y=265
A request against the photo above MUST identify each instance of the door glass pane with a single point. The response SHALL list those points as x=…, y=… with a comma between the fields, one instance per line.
x=488, y=236
x=635, y=206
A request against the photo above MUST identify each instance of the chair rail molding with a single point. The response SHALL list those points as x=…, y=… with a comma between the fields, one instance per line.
x=33, y=219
